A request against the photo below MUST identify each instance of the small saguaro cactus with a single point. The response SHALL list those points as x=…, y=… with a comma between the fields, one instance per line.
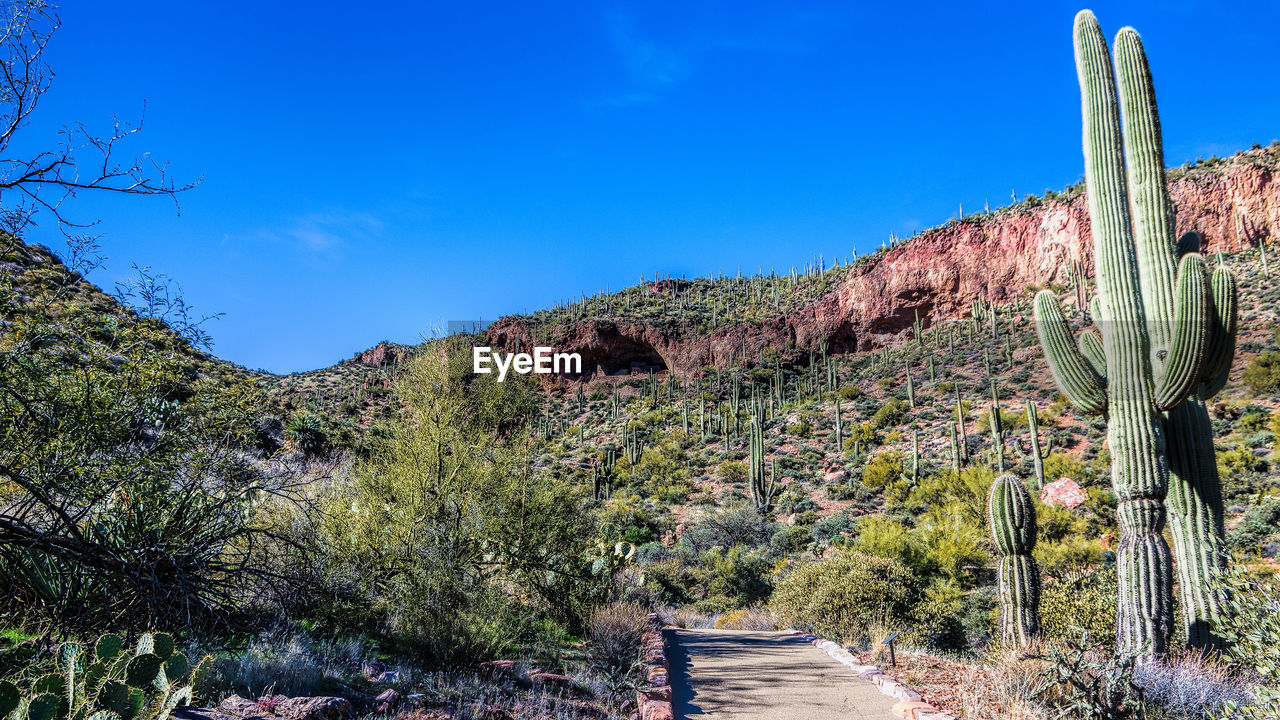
x=762, y=486
x=1012, y=520
x=998, y=435
x=1163, y=337
x=1036, y=453
x=911, y=387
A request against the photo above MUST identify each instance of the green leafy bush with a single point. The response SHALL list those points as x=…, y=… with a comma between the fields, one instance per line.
x=883, y=469
x=844, y=596
x=1084, y=602
x=891, y=414
x=1262, y=374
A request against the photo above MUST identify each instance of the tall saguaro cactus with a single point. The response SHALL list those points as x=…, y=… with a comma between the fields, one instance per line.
x=1157, y=341
x=1012, y=520
x=763, y=487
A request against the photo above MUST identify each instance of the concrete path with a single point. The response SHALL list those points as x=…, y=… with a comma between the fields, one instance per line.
x=732, y=675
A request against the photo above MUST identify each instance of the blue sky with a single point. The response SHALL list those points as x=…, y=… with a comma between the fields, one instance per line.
x=373, y=171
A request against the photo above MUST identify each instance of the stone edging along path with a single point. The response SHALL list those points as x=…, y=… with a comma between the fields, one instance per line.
x=653, y=702
x=910, y=704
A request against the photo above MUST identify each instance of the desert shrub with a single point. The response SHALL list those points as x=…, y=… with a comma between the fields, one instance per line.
x=739, y=577
x=1254, y=636
x=891, y=414
x=732, y=471
x=884, y=537
x=616, y=631
x=1262, y=374
x=1059, y=465
x=729, y=527
x=832, y=528
x=1085, y=602
x=844, y=596
x=129, y=469
x=1235, y=465
x=284, y=662
x=753, y=618
x=306, y=431
x=1260, y=523
x=864, y=435
x=439, y=538
x=1259, y=439
x=882, y=469
x=689, y=617
x=952, y=544
x=850, y=392
x=1188, y=685
x=1085, y=681
x=791, y=539
x=1254, y=419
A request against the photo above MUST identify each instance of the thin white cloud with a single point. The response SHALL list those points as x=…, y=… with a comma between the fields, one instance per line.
x=326, y=234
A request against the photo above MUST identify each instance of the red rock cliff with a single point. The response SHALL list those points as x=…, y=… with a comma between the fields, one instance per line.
x=938, y=273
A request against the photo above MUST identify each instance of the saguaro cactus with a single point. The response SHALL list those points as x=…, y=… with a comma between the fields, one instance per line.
x=1012, y=520
x=1036, y=452
x=762, y=487
x=1155, y=314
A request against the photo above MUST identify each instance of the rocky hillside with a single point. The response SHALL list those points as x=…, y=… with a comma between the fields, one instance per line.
x=935, y=276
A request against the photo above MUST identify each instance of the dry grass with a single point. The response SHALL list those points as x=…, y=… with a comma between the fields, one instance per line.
x=617, y=632
x=755, y=618
x=687, y=617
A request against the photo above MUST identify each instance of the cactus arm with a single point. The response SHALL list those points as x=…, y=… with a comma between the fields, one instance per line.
x=1074, y=375
x=1090, y=343
x=1189, y=243
x=1190, y=333
x=1151, y=212
x=1225, y=323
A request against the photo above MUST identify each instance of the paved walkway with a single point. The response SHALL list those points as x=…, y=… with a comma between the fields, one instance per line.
x=732, y=675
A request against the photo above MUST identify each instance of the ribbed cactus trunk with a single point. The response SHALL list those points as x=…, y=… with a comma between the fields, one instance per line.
x=1012, y=520
x=1153, y=312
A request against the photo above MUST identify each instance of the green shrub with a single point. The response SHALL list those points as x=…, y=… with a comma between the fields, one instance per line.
x=732, y=471
x=792, y=539
x=443, y=544
x=1087, y=602
x=843, y=597
x=741, y=577
x=850, y=392
x=864, y=435
x=1262, y=374
x=1260, y=524
x=883, y=469
x=891, y=414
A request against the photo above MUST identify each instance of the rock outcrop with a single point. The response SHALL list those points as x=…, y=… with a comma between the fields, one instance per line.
x=1234, y=204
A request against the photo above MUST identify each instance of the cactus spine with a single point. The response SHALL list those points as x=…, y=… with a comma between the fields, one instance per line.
x=1012, y=520
x=1154, y=313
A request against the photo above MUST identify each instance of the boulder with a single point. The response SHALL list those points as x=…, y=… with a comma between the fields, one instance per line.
x=387, y=700
x=1065, y=493
x=237, y=706
x=313, y=708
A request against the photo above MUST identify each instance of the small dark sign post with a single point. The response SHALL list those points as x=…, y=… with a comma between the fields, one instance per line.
x=889, y=641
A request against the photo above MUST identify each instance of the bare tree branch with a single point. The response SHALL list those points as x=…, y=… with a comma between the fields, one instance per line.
x=81, y=160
